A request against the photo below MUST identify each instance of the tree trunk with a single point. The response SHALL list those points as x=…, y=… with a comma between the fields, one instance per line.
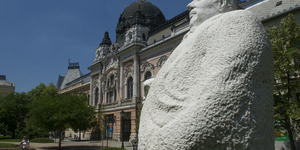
x=59, y=143
x=292, y=142
x=14, y=132
x=287, y=119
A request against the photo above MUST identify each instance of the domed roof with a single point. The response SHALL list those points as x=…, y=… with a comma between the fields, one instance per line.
x=140, y=12
x=145, y=7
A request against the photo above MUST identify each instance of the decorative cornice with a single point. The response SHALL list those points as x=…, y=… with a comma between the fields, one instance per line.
x=147, y=65
x=128, y=71
x=161, y=60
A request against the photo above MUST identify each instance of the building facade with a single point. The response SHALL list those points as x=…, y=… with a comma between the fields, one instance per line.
x=144, y=42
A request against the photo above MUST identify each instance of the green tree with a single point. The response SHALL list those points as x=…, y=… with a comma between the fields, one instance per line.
x=13, y=110
x=32, y=131
x=59, y=112
x=3, y=129
x=285, y=42
x=82, y=109
x=43, y=90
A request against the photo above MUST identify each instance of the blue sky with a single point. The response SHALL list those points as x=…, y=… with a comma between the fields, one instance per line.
x=37, y=37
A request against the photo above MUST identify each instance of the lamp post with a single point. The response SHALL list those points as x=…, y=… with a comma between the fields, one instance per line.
x=122, y=115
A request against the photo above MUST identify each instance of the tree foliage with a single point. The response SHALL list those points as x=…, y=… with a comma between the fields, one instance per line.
x=13, y=111
x=285, y=42
x=3, y=129
x=59, y=112
x=43, y=90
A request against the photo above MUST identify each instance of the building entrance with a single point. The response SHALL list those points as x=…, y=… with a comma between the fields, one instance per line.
x=126, y=126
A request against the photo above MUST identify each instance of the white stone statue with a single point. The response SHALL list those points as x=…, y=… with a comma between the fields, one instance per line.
x=216, y=89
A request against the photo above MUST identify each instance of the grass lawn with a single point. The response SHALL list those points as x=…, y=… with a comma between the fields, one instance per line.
x=8, y=145
x=41, y=140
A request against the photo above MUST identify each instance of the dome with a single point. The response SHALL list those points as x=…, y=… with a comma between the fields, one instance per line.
x=142, y=13
x=146, y=8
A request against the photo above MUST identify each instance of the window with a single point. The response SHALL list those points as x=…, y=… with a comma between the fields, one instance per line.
x=111, y=96
x=130, y=36
x=112, y=80
x=130, y=87
x=148, y=75
x=109, y=125
x=127, y=115
x=144, y=37
x=278, y=3
x=96, y=96
x=115, y=97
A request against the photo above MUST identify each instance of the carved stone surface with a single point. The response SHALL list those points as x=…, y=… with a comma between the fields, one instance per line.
x=136, y=34
x=106, y=49
x=215, y=91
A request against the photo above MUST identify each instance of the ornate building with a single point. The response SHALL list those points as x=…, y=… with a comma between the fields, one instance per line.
x=144, y=41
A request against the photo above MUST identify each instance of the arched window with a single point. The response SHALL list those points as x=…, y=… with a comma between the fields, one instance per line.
x=130, y=87
x=130, y=36
x=96, y=96
x=148, y=75
x=111, y=94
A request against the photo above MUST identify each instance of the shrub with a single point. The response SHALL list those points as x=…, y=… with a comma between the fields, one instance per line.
x=41, y=140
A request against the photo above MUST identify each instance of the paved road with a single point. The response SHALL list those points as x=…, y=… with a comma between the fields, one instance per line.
x=74, y=145
x=96, y=145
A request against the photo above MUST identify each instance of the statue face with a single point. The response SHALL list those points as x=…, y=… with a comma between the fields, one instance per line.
x=201, y=10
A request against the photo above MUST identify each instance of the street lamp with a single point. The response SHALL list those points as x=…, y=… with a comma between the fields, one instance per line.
x=122, y=115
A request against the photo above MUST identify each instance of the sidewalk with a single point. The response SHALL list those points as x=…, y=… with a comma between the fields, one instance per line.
x=74, y=145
